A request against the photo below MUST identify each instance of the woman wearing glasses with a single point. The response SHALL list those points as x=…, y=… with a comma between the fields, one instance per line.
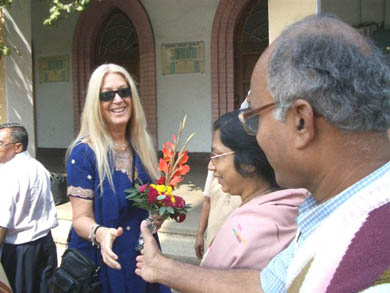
x=111, y=150
x=264, y=224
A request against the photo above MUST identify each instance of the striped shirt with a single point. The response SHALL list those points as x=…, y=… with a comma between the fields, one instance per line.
x=311, y=214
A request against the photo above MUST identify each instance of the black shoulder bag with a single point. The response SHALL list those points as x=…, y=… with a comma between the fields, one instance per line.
x=76, y=274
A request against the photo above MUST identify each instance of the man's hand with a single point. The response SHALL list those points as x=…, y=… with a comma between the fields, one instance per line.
x=199, y=246
x=157, y=221
x=149, y=258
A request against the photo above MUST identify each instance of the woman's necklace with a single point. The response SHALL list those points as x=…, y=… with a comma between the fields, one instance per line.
x=256, y=194
x=122, y=146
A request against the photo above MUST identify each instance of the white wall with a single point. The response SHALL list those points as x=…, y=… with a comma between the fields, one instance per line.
x=17, y=33
x=179, y=94
x=282, y=13
x=54, y=100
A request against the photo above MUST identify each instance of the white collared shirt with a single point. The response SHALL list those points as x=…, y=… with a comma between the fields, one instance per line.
x=27, y=207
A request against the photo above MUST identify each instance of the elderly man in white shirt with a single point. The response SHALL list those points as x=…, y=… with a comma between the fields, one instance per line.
x=27, y=214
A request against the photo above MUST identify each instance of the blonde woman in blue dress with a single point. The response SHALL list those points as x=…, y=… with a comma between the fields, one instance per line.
x=111, y=150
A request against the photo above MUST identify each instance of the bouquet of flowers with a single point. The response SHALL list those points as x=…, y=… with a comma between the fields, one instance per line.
x=159, y=198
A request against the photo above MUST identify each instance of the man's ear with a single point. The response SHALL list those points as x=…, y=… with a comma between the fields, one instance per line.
x=303, y=119
x=18, y=147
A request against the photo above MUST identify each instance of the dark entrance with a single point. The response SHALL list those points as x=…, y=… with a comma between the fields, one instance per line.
x=118, y=43
x=251, y=41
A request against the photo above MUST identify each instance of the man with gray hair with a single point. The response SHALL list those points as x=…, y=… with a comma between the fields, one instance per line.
x=27, y=214
x=320, y=109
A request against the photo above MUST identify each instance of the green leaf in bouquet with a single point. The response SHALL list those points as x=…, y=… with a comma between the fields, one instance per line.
x=162, y=210
x=133, y=193
x=161, y=197
x=170, y=210
x=132, y=196
x=131, y=190
x=138, y=182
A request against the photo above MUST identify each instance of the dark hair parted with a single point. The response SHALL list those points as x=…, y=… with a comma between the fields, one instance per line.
x=336, y=69
x=249, y=158
x=18, y=133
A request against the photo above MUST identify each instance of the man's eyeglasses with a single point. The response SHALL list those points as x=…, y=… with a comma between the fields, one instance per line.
x=109, y=95
x=250, y=120
x=213, y=156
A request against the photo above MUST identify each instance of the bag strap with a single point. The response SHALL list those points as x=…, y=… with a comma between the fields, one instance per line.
x=87, y=261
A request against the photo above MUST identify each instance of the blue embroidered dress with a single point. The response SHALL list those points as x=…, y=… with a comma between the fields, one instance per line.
x=111, y=209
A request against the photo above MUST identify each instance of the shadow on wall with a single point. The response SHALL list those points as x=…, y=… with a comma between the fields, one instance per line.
x=19, y=82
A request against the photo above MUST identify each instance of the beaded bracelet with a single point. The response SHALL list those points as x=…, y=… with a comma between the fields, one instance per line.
x=92, y=234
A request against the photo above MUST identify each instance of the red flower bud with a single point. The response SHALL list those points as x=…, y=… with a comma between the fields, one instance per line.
x=179, y=217
x=161, y=181
x=143, y=188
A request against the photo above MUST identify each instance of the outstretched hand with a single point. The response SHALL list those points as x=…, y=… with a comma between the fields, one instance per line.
x=107, y=237
x=149, y=258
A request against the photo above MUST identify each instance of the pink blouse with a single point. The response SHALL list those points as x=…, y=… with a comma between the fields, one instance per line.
x=255, y=232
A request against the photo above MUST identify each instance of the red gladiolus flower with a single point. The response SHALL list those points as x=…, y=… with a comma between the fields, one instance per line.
x=175, y=180
x=167, y=150
x=182, y=170
x=184, y=158
x=163, y=166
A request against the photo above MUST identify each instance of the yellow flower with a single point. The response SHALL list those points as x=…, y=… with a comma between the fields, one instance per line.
x=162, y=189
x=168, y=190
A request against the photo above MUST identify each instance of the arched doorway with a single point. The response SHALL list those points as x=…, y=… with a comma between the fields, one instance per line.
x=229, y=18
x=118, y=43
x=251, y=41
x=94, y=43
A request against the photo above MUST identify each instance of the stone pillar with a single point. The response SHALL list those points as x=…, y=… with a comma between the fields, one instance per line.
x=282, y=13
x=18, y=68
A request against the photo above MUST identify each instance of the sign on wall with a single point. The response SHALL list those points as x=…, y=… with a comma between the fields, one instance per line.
x=187, y=57
x=54, y=69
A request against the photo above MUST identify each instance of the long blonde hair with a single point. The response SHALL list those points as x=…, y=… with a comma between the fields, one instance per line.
x=94, y=129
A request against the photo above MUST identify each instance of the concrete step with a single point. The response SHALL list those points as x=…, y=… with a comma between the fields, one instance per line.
x=178, y=247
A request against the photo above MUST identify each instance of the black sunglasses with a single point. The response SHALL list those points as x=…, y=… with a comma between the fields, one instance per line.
x=109, y=95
